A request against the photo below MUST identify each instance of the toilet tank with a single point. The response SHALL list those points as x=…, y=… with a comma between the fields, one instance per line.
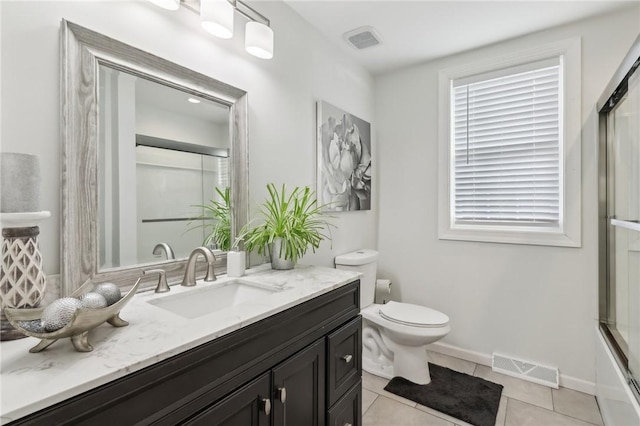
x=366, y=262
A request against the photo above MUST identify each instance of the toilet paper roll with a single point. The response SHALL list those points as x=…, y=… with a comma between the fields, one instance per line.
x=383, y=291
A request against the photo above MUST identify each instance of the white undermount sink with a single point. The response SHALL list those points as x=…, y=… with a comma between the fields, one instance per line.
x=200, y=301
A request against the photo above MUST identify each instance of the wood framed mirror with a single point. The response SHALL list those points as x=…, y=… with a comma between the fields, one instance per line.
x=88, y=61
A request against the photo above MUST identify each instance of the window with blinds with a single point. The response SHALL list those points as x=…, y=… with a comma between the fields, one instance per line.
x=506, y=146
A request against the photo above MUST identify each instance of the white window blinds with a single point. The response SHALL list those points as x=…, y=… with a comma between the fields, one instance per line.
x=506, y=142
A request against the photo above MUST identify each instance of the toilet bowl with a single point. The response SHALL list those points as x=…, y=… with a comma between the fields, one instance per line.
x=394, y=340
x=394, y=335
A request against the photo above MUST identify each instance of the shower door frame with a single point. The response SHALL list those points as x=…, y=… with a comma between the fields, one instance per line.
x=612, y=96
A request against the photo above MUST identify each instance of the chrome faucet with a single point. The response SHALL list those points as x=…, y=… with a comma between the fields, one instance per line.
x=166, y=248
x=189, y=279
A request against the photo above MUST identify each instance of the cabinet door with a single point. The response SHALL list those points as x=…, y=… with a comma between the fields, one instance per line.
x=248, y=406
x=299, y=388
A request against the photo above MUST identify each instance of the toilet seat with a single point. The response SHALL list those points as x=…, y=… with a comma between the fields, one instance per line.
x=413, y=315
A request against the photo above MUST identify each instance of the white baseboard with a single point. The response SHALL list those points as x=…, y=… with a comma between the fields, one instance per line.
x=456, y=352
x=566, y=381
x=580, y=385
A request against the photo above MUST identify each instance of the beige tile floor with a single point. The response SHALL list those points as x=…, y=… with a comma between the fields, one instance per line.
x=522, y=404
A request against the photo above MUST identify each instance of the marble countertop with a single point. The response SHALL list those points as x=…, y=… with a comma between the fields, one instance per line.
x=30, y=382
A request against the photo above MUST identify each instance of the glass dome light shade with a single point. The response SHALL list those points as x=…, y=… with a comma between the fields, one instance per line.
x=216, y=17
x=258, y=40
x=167, y=4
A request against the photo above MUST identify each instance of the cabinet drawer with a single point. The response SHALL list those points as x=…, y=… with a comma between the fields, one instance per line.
x=348, y=410
x=344, y=368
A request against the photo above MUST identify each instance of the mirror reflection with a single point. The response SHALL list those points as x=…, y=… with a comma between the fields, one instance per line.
x=162, y=153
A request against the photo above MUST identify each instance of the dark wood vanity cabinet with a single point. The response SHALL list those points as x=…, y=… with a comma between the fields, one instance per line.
x=300, y=367
x=299, y=387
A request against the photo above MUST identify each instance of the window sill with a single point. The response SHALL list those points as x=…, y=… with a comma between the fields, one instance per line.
x=509, y=235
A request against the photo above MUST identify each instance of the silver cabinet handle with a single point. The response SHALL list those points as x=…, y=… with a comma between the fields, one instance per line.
x=347, y=358
x=282, y=394
x=266, y=406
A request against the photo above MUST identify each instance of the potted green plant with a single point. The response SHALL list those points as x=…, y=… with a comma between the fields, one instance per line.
x=292, y=224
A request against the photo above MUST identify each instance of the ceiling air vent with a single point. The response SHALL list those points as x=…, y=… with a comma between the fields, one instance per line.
x=362, y=37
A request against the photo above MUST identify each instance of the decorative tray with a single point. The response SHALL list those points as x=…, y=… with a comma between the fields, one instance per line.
x=78, y=328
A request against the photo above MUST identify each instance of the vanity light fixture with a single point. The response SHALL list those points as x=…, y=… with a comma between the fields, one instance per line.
x=216, y=17
x=258, y=40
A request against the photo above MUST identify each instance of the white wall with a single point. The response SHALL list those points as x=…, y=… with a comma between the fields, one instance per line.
x=531, y=302
x=282, y=94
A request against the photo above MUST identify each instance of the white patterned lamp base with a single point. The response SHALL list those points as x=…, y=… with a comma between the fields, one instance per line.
x=22, y=279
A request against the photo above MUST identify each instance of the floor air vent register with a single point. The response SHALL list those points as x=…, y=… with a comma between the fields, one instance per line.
x=526, y=370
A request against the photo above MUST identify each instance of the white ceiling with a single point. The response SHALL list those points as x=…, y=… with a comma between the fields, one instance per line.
x=176, y=101
x=418, y=31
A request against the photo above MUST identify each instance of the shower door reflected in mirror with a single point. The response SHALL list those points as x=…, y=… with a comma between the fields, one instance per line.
x=162, y=152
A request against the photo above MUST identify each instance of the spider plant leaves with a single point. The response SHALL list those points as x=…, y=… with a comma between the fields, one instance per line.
x=220, y=213
x=295, y=218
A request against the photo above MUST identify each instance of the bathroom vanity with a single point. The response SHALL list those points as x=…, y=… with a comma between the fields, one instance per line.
x=290, y=357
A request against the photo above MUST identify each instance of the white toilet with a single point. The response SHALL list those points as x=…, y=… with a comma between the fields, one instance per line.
x=394, y=335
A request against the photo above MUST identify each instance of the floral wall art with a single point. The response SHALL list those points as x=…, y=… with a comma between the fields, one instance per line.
x=344, y=160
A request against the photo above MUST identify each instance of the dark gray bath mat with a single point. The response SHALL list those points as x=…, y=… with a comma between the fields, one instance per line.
x=459, y=395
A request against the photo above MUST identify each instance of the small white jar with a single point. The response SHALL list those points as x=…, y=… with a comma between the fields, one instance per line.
x=236, y=263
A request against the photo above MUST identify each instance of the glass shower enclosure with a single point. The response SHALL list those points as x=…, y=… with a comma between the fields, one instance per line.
x=619, y=229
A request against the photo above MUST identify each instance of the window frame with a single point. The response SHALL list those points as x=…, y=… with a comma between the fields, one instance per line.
x=568, y=233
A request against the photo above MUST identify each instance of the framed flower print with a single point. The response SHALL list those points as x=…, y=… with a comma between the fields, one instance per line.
x=344, y=160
